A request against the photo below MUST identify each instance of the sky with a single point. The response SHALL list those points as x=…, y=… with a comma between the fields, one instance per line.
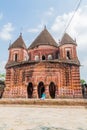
x=29, y=18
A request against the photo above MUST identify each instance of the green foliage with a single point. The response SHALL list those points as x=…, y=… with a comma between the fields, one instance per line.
x=2, y=76
x=83, y=81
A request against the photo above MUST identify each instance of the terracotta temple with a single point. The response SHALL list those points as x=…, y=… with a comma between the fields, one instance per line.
x=45, y=66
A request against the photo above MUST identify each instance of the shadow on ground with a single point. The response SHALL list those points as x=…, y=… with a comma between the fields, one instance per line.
x=48, y=128
x=53, y=128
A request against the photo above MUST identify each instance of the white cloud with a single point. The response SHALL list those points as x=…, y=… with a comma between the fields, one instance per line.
x=45, y=18
x=49, y=12
x=59, y=23
x=6, y=31
x=1, y=16
x=77, y=28
x=84, y=62
x=36, y=30
x=33, y=30
x=83, y=69
x=2, y=66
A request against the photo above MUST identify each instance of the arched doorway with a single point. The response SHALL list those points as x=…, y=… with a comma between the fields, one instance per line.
x=43, y=57
x=84, y=90
x=41, y=89
x=30, y=90
x=52, y=90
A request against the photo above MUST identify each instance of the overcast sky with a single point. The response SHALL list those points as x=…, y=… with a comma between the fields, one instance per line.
x=30, y=17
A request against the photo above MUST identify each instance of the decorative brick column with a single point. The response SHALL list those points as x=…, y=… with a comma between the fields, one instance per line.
x=35, y=93
x=47, y=91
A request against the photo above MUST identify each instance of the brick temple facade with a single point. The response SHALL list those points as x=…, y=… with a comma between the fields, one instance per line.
x=46, y=66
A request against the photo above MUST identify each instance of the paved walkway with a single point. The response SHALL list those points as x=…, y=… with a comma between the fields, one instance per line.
x=26, y=117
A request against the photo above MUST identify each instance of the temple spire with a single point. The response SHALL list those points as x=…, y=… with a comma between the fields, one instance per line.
x=44, y=27
x=21, y=34
x=21, y=30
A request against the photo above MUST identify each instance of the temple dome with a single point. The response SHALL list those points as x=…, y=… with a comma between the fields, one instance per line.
x=19, y=43
x=44, y=38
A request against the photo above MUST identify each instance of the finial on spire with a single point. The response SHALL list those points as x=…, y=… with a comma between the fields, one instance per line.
x=21, y=29
x=20, y=33
x=44, y=26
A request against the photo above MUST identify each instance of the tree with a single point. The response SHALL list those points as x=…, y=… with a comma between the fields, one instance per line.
x=82, y=81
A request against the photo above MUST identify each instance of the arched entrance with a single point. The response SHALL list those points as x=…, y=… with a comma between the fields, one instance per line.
x=84, y=90
x=52, y=90
x=41, y=89
x=30, y=90
x=43, y=57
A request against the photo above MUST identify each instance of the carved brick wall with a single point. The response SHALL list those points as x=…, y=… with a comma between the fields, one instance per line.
x=65, y=77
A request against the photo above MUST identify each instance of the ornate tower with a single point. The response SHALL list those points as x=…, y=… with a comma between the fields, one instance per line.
x=18, y=51
x=17, y=55
x=68, y=48
x=71, y=72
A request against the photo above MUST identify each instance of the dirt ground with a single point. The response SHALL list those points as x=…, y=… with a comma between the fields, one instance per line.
x=24, y=117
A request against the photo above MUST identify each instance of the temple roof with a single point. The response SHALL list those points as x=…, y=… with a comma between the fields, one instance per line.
x=68, y=62
x=44, y=38
x=66, y=39
x=19, y=43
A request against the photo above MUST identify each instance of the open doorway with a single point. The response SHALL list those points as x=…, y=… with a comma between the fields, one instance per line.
x=30, y=90
x=68, y=55
x=41, y=89
x=52, y=90
x=43, y=57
